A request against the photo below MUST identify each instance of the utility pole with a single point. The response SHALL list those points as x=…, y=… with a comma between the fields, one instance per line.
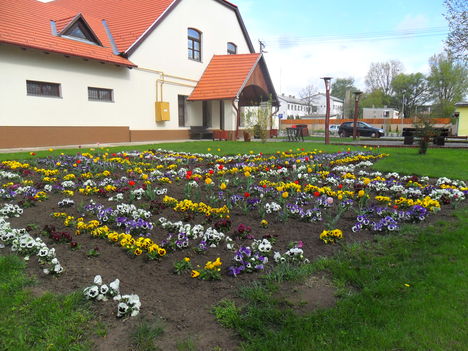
x=327, y=115
x=262, y=46
x=357, y=95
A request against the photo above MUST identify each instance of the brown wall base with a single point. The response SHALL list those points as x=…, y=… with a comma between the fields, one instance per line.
x=150, y=135
x=14, y=137
x=18, y=137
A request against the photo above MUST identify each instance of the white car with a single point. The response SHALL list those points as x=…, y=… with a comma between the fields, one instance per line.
x=333, y=128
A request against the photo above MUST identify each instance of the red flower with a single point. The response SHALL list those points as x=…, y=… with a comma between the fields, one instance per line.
x=340, y=186
x=220, y=167
x=316, y=193
x=246, y=194
x=307, y=159
x=78, y=161
x=189, y=173
x=267, y=169
x=264, y=186
x=114, y=154
x=211, y=171
x=395, y=207
x=296, y=182
x=131, y=183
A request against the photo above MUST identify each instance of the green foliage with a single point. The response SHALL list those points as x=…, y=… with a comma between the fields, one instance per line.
x=47, y=322
x=226, y=312
x=145, y=334
x=408, y=293
x=410, y=91
x=448, y=83
x=376, y=98
x=341, y=85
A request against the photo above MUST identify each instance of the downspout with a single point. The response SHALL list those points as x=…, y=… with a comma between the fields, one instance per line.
x=237, y=116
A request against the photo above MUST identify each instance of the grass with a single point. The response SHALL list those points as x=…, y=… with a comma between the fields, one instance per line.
x=404, y=292
x=145, y=335
x=47, y=322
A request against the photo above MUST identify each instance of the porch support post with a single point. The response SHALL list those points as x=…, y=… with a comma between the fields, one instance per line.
x=237, y=108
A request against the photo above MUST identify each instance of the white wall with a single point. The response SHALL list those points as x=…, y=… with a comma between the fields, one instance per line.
x=75, y=76
x=166, y=50
x=135, y=90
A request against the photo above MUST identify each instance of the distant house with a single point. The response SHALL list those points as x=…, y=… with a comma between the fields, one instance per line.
x=88, y=71
x=291, y=107
x=319, y=106
x=462, y=109
x=380, y=112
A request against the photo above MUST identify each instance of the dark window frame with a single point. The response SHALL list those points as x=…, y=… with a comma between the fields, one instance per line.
x=43, y=89
x=82, y=25
x=206, y=114
x=231, y=48
x=192, y=44
x=101, y=94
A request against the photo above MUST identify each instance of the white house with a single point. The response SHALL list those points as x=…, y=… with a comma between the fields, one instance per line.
x=88, y=71
x=319, y=106
x=291, y=107
x=381, y=112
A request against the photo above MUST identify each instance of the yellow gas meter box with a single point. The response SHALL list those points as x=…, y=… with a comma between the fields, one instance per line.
x=162, y=111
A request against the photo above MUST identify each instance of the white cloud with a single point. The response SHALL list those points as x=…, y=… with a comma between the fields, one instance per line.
x=409, y=22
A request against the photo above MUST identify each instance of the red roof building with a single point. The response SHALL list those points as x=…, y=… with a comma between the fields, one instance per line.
x=154, y=100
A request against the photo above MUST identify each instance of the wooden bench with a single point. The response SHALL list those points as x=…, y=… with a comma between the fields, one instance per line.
x=219, y=134
x=438, y=135
x=294, y=134
x=200, y=132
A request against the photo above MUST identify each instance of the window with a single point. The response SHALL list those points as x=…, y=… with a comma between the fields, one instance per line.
x=80, y=30
x=99, y=94
x=182, y=99
x=231, y=48
x=42, y=88
x=194, y=44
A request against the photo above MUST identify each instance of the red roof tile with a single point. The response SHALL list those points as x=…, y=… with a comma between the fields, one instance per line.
x=225, y=77
x=26, y=23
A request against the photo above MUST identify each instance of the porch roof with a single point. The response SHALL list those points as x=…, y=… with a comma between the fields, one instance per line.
x=226, y=76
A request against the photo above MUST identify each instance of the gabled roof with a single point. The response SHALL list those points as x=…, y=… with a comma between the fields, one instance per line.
x=30, y=24
x=131, y=21
x=226, y=76
x=331, y=97
x=120, y=25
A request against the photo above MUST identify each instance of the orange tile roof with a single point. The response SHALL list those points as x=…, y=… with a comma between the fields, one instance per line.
x=127, y=19
x=26, y=23
x=225, y=77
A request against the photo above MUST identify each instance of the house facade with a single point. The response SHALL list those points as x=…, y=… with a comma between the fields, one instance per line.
x=380, y=112
x=319, y=106
x=89, y=71
x=291, y=108
x=462, y=119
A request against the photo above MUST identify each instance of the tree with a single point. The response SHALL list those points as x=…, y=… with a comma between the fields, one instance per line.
x=381, y=74
x=448, y=83
x=457, y=40
x=341, y=85
x=376, y=98
x=410, y=91
x=306, y=95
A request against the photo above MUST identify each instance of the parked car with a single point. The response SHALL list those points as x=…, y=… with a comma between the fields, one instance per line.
x=333, y=128
x=363, y=129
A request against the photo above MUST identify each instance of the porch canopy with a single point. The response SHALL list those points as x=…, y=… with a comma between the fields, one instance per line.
x=243, y=78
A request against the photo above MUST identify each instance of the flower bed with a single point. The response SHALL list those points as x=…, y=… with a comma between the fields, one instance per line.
x=212, y=220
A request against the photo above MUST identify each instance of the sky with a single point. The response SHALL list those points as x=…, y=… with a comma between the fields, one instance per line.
x=309, y=39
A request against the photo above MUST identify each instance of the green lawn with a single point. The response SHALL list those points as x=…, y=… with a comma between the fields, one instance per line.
x=451, y=163
x=377, y=310
x=47, y=322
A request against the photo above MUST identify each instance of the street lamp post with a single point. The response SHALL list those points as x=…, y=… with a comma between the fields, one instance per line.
x=327, y=115
x=357, y=95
